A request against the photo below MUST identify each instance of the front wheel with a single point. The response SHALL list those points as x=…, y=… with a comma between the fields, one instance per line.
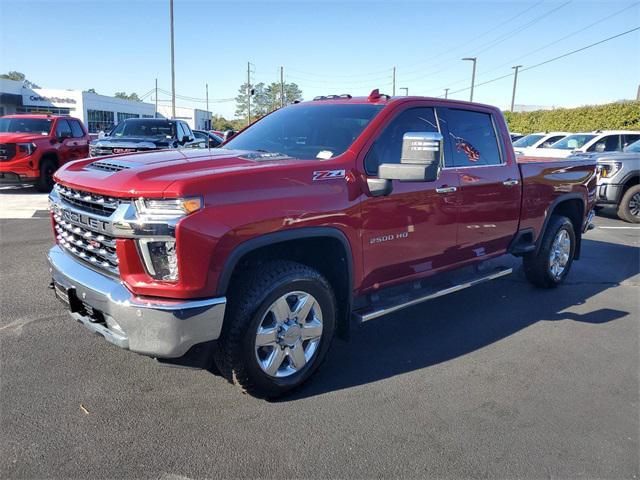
x=629, y=208
x=550, y=265
x=278, y=329
x=45, y=180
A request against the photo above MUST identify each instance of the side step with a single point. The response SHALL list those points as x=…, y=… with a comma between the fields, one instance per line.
x=422, y=295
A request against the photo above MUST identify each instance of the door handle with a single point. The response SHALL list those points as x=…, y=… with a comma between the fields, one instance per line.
x=510, y=182
x=446, y=189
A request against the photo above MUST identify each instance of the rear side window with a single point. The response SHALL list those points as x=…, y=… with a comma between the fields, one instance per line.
x=187, y=130
x=180, y=130
x=610, y=143
x=76, y=129
x=473, y=139
x=547, y=143
x=63, y=129
x=388, y=146
x=629, y=139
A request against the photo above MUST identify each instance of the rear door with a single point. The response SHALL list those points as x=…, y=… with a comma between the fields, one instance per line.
x=66, y=142
x=80, y=146
x=489, y=182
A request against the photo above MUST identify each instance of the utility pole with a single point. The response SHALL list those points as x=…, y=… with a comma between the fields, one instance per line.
x=473, y=75
x=515, y=82
x=208, y=125
x=156, y=114
x=281, y=87
x=394, y=81
x=248, y=93
x=446, y=93
x=173, y=69
x=638, y=94
x=406, y=91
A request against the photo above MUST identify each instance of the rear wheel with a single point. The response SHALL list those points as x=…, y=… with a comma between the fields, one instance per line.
x=550, y=265
x=629, y=208
x=47, y=169
x=278, y=329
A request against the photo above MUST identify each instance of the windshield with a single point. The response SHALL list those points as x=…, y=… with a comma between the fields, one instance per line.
x=634, y=147
x=573, y=141
x=25, y=125
x=527, y=141
x=307, y=131
x=142, y=128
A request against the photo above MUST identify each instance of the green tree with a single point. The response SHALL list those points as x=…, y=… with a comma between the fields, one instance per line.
x=91, y=90
x=273, y=94
x=257, y=110
x=265, y=99
x=19, y=77
x=218, y=122
x=132, y=96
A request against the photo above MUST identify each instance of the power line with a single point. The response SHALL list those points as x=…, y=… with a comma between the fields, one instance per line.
x=550, y=60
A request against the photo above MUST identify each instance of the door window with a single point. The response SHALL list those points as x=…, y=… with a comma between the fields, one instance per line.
x=551, y=140
x=388, y=146
x=63, y=129
x=180, y=131
x=629, y=139
x=473, y=139
x=76, y=129
x=610, y=143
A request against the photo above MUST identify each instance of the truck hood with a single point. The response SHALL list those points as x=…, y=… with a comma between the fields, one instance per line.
x=163, y=173
x=130, y=142
x=618, y=156
x=11, y=137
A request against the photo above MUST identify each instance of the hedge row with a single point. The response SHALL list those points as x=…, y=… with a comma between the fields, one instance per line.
x=612, y=116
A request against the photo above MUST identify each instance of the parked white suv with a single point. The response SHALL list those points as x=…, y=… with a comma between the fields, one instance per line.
x=594, y=142
x=528, y=145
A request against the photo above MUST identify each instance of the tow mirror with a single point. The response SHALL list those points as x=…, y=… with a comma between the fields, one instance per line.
x=185, y=139
x=228, y=134
x=420, y=160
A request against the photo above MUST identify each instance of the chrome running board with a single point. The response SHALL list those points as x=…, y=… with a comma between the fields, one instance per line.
x=375, y=312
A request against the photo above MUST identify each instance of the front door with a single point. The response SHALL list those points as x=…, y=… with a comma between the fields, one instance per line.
x=489, y=183
x=411, y=231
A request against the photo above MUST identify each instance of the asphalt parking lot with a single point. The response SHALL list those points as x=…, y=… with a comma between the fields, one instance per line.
x=499, y=381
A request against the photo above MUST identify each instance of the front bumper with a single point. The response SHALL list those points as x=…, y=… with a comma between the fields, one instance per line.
x=609, y=193
x=149, y=326
x=12, y=178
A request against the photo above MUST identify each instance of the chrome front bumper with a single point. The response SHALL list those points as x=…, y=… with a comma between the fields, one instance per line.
x=149, y=326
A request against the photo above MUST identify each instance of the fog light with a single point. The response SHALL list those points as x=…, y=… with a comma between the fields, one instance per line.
x=160, y=258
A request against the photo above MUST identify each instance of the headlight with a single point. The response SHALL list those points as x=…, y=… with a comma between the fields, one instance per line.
x=609, y=169
x=26, y=148
x=160, y=258
x=163, y=209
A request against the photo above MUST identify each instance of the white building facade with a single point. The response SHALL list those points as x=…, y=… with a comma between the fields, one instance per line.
x=98, y=112
x=196, y=119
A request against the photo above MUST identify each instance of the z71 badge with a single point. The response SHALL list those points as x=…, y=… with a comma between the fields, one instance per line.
x=328, y=174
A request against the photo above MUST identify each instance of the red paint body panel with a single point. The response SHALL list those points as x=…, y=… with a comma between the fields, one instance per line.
x=245, y=199
x=28, y=166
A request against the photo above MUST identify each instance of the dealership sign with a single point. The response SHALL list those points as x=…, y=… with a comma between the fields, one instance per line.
x=35, y=99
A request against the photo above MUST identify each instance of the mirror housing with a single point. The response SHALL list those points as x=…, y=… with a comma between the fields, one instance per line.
x=228, y=134
x=185, y=139
x=420, y=161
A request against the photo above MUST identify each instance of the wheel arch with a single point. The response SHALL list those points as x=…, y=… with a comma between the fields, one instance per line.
x=49, y=155
x=572, y=206
x=630, y=181
x=325, y=249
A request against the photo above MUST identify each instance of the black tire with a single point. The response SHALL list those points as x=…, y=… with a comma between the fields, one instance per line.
x=537, y=265
x=629, y=208
x=254, y=293
x=48, y=167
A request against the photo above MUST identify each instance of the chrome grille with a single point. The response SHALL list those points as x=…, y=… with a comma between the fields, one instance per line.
x=88, y=202
x=92, y=247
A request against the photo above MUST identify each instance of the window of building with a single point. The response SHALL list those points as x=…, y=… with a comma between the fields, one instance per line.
x=148, y=116
x=99, y=120
x=76, y=129
x=123, y=116
x=45, y=110
x=388, y=146
x=473, y=138
x=63, y=130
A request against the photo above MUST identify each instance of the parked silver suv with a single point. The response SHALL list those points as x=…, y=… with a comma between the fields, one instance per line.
x=619, y=181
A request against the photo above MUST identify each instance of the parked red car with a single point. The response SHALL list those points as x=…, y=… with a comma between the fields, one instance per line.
x=32, y=147
x=318, y=215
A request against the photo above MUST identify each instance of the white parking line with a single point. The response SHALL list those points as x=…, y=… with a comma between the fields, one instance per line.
x=620, y=228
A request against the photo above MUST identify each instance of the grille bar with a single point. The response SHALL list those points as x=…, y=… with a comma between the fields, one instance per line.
x=89, y=202
x=7, y=151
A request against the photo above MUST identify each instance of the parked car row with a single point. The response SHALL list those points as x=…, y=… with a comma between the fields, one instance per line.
x=565, y=144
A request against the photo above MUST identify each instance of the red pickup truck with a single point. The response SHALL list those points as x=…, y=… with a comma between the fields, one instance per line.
x=32, y=147
x=319, y=216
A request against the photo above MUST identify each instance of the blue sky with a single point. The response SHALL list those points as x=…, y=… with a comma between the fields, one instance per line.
x=328, y=47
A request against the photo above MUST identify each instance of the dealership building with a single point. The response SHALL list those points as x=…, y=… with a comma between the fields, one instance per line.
x=98, y=112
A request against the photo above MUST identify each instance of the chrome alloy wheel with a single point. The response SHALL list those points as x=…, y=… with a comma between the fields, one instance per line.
x=289, y=334
x=560, y=252
x=634, y=205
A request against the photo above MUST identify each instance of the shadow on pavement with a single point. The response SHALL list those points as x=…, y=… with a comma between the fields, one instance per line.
x=470, y=320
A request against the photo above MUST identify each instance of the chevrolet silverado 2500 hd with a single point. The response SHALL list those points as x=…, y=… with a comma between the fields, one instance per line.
x=318, y=216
